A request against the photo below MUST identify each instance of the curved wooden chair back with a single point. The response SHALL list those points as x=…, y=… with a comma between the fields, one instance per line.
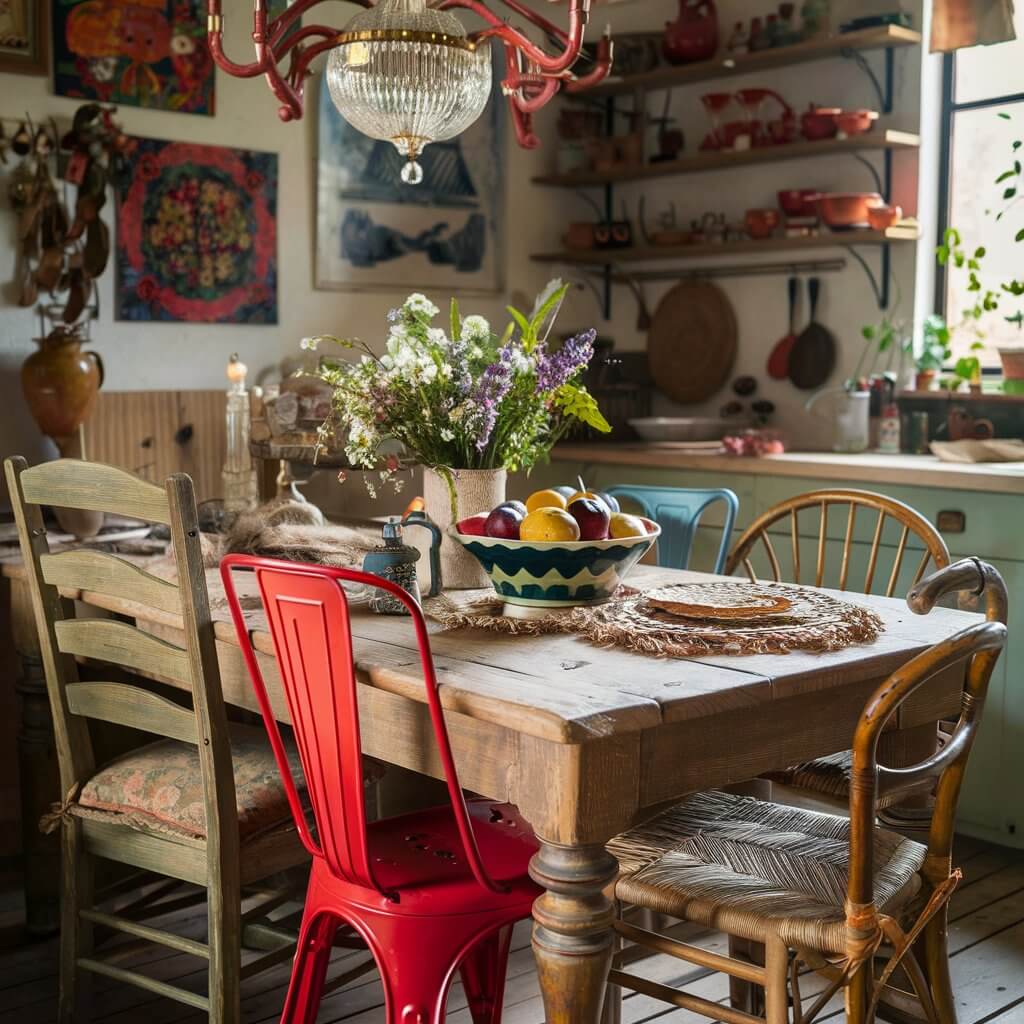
x=308, y=615
x=979, y=646
x=55, y=579
x=786, y=518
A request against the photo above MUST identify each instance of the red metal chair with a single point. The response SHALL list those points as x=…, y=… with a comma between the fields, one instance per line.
x=430, y=891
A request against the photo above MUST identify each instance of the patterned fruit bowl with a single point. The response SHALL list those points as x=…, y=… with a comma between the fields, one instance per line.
x=546, y=575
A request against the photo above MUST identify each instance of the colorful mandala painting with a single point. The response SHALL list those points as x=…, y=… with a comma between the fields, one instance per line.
x=197, y=235
x=144, y=53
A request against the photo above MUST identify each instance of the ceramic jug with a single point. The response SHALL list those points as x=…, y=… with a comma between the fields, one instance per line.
x=693, y=35
x=396, y=561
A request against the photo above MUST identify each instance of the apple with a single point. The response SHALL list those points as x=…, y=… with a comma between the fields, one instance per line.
x=503, y=522
x=592, y=516
x=610, y=500
x=473, y=526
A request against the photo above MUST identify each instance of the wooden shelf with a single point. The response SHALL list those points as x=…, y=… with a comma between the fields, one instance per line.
x=959, y=397
x=747, y=247
x=885, y=138
x=727, y=66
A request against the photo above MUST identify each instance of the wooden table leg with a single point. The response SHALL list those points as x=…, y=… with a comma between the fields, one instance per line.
x=572, y=936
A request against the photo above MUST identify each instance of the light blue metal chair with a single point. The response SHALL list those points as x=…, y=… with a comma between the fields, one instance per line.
x=678, y=510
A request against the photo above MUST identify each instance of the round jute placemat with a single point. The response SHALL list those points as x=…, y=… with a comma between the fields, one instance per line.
x=814, y=621
x=811, y=621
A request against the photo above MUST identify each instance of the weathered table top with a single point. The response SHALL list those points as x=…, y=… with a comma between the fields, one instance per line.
x=564, y=688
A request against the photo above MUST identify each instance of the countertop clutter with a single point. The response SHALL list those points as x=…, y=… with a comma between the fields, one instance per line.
x=869, y=467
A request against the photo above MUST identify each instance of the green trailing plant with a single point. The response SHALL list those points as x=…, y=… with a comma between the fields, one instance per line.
x=935, y=351
x=1010, y=183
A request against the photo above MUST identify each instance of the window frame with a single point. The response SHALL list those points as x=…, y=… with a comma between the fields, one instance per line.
x=949, y=109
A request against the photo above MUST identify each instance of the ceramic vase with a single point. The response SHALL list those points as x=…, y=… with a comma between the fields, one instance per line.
x=60, y=382
x=476, y=490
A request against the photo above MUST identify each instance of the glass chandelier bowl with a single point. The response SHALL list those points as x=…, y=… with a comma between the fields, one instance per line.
x=407, y=74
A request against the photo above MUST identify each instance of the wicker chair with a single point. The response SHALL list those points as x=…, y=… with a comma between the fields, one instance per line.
x=830, y=893
x=824, y=783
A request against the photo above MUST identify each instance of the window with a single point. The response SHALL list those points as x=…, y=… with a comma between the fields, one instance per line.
x=980, y=85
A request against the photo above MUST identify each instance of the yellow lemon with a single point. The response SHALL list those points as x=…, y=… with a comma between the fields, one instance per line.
x=549, y=524
x=549, y=498
x=624, y=525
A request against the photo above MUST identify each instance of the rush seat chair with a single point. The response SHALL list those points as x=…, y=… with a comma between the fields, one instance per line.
x=430, y=892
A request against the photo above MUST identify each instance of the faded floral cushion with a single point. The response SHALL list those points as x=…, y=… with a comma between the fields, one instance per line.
x=160, y=786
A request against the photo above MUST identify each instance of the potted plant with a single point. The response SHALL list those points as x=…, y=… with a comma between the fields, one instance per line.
x=934, y=352
x=466, y=404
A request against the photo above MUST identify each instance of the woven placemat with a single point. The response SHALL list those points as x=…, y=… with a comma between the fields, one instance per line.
x=484, y=609
x=814, y=621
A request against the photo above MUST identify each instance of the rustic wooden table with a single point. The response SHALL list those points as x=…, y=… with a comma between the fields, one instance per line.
x=588, y=740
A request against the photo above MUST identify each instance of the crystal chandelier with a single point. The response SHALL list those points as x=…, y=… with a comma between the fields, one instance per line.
x=408, y=72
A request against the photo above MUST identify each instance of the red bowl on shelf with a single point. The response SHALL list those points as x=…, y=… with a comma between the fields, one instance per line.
x=856, y=122
x=884, y=215
x=819, y=123
x=799, y=202
x=846, y=210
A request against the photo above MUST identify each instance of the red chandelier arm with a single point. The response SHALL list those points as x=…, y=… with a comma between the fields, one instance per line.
x=578, y=14
x=602, y=66
x=522, y=124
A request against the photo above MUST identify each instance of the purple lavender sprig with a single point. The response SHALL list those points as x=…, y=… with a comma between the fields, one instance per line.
x=560, y=367
x=494, y=384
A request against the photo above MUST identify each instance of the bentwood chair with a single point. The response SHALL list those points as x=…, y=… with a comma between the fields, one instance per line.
x=432, y=891
x=825, y=781
x=204, y=803
x=822, y=893
x=678, y=511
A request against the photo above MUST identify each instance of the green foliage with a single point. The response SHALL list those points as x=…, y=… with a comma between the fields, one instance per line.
x=935, y=351
x=576, y=401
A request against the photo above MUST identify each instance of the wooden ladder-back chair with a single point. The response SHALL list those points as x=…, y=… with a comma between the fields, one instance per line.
x=825, y=782
x=223, y=838
x=831, y=894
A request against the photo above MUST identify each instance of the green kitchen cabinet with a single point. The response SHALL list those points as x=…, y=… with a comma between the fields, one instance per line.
x=988, y=525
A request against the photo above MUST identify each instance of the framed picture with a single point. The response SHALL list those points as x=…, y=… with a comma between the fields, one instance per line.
x=150, y=54
x=24, y=36
x=197, y=235
x=375, y=231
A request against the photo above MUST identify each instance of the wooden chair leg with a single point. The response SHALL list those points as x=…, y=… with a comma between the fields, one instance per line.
x=858, y=995
x=745, y=995
x=776, y=990
x=936, y=968
x=76, y=934
x=224, y=922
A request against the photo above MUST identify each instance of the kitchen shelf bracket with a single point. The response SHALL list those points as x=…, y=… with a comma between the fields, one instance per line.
x=879, y=284
x=883, y=89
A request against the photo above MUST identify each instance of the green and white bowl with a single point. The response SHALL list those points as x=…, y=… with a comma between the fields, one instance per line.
x=557, y=574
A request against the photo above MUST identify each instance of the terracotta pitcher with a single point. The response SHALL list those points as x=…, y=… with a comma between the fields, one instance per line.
x=693, y=35
x=60, y=382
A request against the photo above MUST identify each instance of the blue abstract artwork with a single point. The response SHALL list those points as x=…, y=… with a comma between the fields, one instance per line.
x=373, y=230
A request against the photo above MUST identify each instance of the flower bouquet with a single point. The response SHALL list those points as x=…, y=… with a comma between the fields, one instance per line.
x=467, y=404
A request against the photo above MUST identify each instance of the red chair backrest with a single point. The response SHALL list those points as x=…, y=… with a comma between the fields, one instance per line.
x=308, y=615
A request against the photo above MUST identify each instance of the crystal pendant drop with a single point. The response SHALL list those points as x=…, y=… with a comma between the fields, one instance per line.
x=407, y=74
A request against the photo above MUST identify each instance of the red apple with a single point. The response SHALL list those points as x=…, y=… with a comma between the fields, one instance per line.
x=503, y=523
x=473, y=526
x=592, y=516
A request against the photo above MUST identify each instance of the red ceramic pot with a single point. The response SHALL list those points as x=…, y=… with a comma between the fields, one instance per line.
x=819, y=122
x=693, y=36
x=847, y=209
x=760, y=223
x=855, y=122
x=884, y=215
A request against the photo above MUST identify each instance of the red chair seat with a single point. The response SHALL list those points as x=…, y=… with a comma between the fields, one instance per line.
x=419, y=858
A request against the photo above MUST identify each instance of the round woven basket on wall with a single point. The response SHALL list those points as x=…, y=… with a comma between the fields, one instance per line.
x=476, y=490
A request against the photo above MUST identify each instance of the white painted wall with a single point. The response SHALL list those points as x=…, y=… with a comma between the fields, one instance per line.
x=157, y=356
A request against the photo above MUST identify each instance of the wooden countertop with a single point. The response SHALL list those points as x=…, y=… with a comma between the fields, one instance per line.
x=909, y=470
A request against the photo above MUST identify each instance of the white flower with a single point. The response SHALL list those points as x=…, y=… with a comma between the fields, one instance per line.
x=475, y=328
x=520, y=361
x=417, y=303
x=310, y=344
x=436, y=336
x=475, y=352
x=447, y=435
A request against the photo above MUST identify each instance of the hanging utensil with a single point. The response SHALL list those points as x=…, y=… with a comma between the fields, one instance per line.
x=813, y=357
x=778, y=360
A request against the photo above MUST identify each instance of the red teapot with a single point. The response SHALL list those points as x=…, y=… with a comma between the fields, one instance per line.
x=693, y=36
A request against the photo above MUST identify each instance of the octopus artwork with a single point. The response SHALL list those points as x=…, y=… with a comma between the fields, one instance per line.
x=148, y=53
